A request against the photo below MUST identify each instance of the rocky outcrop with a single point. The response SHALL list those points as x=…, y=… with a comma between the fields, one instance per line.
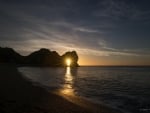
x=42, y=57
x=8, y=55
x=73, y=56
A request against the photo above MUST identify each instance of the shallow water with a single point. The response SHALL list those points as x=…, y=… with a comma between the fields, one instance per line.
x=124, y=88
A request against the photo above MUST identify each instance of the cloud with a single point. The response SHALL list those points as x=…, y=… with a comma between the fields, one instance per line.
x=28, y=28
x=26, y=47
x=86, y=51
x=120, y=10
x=86, y=30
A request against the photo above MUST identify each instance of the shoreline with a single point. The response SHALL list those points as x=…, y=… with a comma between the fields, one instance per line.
x=19, y=95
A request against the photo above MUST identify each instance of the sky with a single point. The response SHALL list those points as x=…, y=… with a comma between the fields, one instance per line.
x=103, y=32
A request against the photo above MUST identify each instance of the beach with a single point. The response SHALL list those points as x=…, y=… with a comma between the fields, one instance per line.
x=19, y=95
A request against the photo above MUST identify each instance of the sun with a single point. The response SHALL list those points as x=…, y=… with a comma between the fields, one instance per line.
x=68, y=61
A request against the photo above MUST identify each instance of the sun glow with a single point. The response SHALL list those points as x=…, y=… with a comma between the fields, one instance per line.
x=68, y=62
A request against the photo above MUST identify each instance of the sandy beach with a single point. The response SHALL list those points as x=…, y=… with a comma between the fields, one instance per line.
x=18, y=95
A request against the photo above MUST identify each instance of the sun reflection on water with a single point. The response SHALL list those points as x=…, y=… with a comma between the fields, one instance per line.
x=68, y=86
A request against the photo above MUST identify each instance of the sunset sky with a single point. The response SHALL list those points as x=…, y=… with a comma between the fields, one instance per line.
x=103, y=32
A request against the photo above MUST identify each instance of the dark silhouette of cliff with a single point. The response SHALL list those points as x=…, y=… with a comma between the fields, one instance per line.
x=73, y=55
x=42, y=57
x=8, y=55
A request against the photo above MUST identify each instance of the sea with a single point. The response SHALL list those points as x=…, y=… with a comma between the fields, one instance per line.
x=124, y=88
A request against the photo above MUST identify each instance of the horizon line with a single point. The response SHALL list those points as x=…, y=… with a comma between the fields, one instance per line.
x=115, y=65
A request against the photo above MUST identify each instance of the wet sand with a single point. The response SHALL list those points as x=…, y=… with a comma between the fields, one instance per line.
x=18, y=95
